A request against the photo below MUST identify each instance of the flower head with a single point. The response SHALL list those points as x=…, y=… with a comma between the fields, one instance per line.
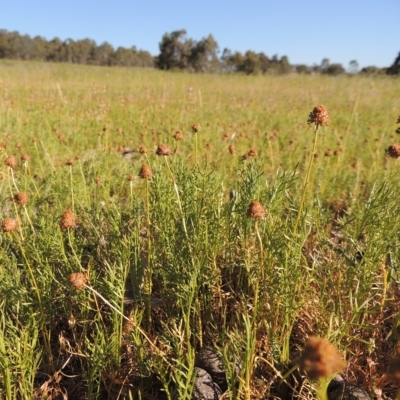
x=393, y=151
x=163, y=150
x=320, y=359
x=68, y=220
x=9, y=225
x=178, y=135
x=196, y=128
x=255, y=210
x=232, y=149
x=319, y=116
x=21, y=198
x=78, y=280
x=145, y=172
x=11, y=162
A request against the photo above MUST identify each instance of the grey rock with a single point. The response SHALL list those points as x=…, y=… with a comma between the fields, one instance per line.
x=339, y=389
x=204, y=386
x=209, y=360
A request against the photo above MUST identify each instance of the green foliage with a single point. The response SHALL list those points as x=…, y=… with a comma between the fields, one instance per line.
x=174, y=263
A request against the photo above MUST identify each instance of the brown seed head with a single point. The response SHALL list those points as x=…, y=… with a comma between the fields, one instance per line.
x=178, y=135
x=21, y=198
x=68, y=220
x=320, y=359
x=250, y=154
x=196, y=128
x=70, y=161
x=128, y=327
x=319, y=116
x=163, y=150
x=143, y=150
x=255, y=210
x=3, y=145
x=145, y=172
x=11, y=162
x=232, y=149
x=25, y=158
x=131, y=178
x=393, y=151
x=61, y=137
x=78, y=280
x=9, y=225
x=97, y=180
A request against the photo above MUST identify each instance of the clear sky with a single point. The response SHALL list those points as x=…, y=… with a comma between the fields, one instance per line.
x=304, y=30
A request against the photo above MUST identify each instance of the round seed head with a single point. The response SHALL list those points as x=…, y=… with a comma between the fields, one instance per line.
x=97, y=180
x=68, y=220
x=9, y=225
x=131, y=178
x=163, y=150
x=255, y=210
x=250, y=154
x=320, y=359
x=143, y=150
x=196, y=128
x=232, y=149
x=393, y=151
x=21, y=198
x=78, y=280
x=178, y=135
x=128, y=327
x=70, y=161
x=319, y=116
x=25, y=158
x=11, y=162
x=145, y=172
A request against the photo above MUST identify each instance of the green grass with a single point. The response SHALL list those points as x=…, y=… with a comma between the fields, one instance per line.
x=199, y=271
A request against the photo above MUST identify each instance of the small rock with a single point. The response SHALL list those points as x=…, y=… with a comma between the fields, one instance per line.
x=204, y=387
x=209, y=360
x=339, y=389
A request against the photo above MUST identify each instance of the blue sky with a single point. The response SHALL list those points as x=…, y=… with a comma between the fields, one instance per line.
x=305, y=31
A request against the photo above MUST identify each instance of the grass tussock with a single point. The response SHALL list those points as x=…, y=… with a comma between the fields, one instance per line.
x=146, y=216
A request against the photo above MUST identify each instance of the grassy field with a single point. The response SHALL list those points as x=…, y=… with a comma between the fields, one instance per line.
x=112, y=280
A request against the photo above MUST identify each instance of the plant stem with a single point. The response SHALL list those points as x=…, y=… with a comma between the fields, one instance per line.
x=306, y=180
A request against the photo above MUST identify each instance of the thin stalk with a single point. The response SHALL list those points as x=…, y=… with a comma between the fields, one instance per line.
x=306, y=180
x=149, y=271
x=322, y=389
x=72, y=188
x=195, y=148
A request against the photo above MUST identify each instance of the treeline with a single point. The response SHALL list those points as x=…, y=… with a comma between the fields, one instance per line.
x=177, y=52
x=22, y=47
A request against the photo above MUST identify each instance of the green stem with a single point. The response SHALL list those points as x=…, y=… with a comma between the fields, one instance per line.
x=306, y=180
